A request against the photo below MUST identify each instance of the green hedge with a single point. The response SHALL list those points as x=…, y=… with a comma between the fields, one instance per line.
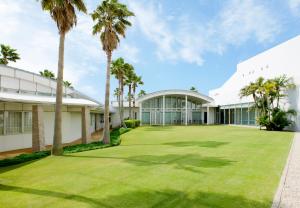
x=115, y=140
x=24, y=158
x=132, y=123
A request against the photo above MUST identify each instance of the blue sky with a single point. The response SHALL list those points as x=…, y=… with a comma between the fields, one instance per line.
x=172, y=44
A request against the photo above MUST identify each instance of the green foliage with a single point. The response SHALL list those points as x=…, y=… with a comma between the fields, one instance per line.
x=47, y=73
x=132, y=123
x=24, y=158
x=8, y=54
x=267, y=95
x=115, y=141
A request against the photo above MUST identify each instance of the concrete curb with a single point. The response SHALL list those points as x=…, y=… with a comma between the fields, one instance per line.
x=278, y=195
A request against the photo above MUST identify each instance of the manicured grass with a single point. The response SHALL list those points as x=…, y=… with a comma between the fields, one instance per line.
x=196, y=166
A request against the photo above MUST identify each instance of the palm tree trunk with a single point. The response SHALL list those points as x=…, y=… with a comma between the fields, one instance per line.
x=122, y=103
x=106, y=131
x=133, y=96
x=119, y=101
x=129, y=100
x=57, y=139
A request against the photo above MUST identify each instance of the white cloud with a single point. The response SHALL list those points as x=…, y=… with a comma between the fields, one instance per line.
x=237, y=22
x=294, y=6
x=241, y=20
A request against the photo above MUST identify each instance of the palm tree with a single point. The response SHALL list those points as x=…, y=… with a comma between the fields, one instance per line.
x=64, y=14
x=8, y=54
x=193, y=89
x=47, y=73
x=118, y=68
x=282, y=83
x=67, y=84
x=111, y=23
x=130, y=75
x=142, y=93
x=137, y=80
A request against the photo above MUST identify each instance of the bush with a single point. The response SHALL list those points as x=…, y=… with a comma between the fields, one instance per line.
x=277, y=121
x=132, y=123
x=114, y=141
x=24, y=158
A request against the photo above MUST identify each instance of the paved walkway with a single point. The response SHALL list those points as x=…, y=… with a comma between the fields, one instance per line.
x=288, y=193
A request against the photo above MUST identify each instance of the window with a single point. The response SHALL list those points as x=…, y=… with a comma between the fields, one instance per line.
x=27, y=121
x=14, y=123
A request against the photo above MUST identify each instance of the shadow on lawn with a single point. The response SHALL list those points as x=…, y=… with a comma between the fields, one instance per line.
x=158, y=128
x=210, y=144
x=164, y=198
x=190, y=162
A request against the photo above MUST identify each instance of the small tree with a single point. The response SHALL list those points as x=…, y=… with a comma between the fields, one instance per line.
x=47, y=73
x=142, y=93
x=8, y=54
x=267, y=95
x=193, y=89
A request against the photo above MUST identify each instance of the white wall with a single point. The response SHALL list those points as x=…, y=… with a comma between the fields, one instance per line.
x=282, y=59
x=71, y=128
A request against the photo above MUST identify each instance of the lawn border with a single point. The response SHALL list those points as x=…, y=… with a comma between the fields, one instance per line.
x=278, y=194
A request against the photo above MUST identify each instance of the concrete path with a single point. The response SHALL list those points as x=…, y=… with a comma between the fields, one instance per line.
x=288, y=193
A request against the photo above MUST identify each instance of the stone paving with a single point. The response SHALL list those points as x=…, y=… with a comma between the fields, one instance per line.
x=288, y=193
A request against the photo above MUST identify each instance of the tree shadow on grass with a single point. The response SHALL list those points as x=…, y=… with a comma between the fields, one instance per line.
x=190, y=162
x=150, y=198
x=158, y=128
x=209, y=144
x=55, y=194
x=12, y=167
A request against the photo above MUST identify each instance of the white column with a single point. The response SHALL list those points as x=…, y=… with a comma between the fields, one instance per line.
x=85, y=125
x=241, y=115
x=141, y=110
x=229, y=119
x=224, y=113
x=207, y=122
x=164, y=106
x=186, y=110
x=248, y=115
x=234, y=114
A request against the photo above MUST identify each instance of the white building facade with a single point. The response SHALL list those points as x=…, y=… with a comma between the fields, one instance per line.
x=27, y=105
x=224, y=105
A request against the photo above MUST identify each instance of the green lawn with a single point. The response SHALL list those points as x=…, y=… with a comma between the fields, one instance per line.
x=195, y=166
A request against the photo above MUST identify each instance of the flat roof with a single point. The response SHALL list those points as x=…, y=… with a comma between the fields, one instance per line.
x=15, y=97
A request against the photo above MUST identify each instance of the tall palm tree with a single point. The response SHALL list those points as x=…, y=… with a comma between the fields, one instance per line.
x=47, y=73
x=8, y=54
x=137, y=80
x=111, y=23
x=130, y=75
x=282, y=83
x=193, y=89
x=64, y=14
x=118, y=68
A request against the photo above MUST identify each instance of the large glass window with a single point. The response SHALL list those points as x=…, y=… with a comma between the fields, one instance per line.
x=27, y=121
x=14, y=123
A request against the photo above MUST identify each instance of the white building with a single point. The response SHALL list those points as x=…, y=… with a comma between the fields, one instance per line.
x=27, y=102
x=224, y=105
x=27, y=111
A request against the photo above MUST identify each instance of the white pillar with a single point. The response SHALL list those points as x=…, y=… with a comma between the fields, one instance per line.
x=234, y=114
x=248, y=115
x=186, y=110
x=164, y=106
x=141, y=110
x=241, y=115
x=85, y=125
x=229, y=119
x=224, y=113
x=207, y=122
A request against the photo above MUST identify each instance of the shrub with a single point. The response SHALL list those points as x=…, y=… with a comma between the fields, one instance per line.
x=114, y=138
x=277, y=121
x=24, y=158
x=132, y=123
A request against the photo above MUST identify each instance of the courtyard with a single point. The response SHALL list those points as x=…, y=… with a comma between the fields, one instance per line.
x=171, y=166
